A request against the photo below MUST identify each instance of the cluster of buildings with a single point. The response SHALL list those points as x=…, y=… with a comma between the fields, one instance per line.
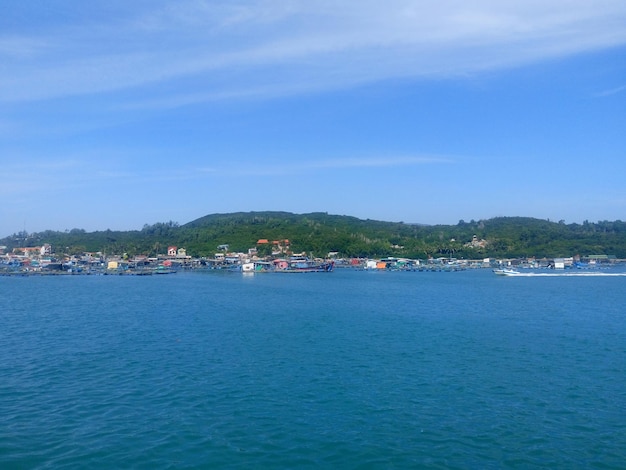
x=42, y=259
x=559, y=263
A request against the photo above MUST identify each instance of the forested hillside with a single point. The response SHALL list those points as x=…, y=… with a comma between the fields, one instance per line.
x=320, y=233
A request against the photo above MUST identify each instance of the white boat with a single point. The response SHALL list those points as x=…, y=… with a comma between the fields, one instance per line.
x=506, y=272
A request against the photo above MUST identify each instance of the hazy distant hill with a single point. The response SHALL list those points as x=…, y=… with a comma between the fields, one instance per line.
x=319, y=233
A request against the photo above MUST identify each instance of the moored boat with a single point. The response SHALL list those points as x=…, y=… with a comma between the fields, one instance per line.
x=308, y=267
x=292, y=265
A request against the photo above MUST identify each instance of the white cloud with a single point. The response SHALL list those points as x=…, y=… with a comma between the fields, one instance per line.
x=313, y=165
x=380, y=162
x=18, y=47
x=612, y=91
x=37, y=177
x=225, y=48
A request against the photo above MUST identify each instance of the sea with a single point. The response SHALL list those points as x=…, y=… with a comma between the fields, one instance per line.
x=343, y=370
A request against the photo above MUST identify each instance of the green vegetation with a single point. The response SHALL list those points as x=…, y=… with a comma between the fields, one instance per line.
x=320, y=233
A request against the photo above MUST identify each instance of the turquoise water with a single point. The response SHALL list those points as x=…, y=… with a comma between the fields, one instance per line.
x=348, y=369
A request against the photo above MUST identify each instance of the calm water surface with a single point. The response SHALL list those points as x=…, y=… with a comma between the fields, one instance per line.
x=349, y=369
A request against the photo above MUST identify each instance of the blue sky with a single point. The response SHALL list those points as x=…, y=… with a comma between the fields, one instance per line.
x=116, y=114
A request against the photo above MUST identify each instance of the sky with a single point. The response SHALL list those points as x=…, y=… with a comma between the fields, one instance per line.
x=117, y=114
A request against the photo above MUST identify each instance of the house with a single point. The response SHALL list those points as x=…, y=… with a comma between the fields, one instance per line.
x=562, y=263
x=29, y=252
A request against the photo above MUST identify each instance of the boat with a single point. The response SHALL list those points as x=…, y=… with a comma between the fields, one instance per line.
x=506, y=272
x=302, y=264
x=292, y=265
x=307, y=267
x=163, y=270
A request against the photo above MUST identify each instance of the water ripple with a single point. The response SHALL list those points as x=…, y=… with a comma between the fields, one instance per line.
x=350, y=371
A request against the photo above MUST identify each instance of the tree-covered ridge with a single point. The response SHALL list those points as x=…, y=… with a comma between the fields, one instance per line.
x=319, y=233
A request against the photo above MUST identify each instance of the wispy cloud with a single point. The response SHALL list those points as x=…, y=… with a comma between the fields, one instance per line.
x=21, y=165
x=36, y=176
x=380, y=162
x=21, y=47
x=612, y=91
x=222, y=49
x=312, y=166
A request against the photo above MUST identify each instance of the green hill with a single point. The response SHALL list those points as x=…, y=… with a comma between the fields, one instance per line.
x=319, y=233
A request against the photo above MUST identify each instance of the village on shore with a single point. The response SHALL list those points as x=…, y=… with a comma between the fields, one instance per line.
x=45, y=260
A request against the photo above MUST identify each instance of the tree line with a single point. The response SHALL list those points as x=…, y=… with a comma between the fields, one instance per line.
x=320, y=233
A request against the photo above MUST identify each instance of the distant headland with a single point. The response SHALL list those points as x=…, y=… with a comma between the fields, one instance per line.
x=267, y=234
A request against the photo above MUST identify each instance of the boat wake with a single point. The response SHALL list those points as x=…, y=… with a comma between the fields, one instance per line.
x=512, y=273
